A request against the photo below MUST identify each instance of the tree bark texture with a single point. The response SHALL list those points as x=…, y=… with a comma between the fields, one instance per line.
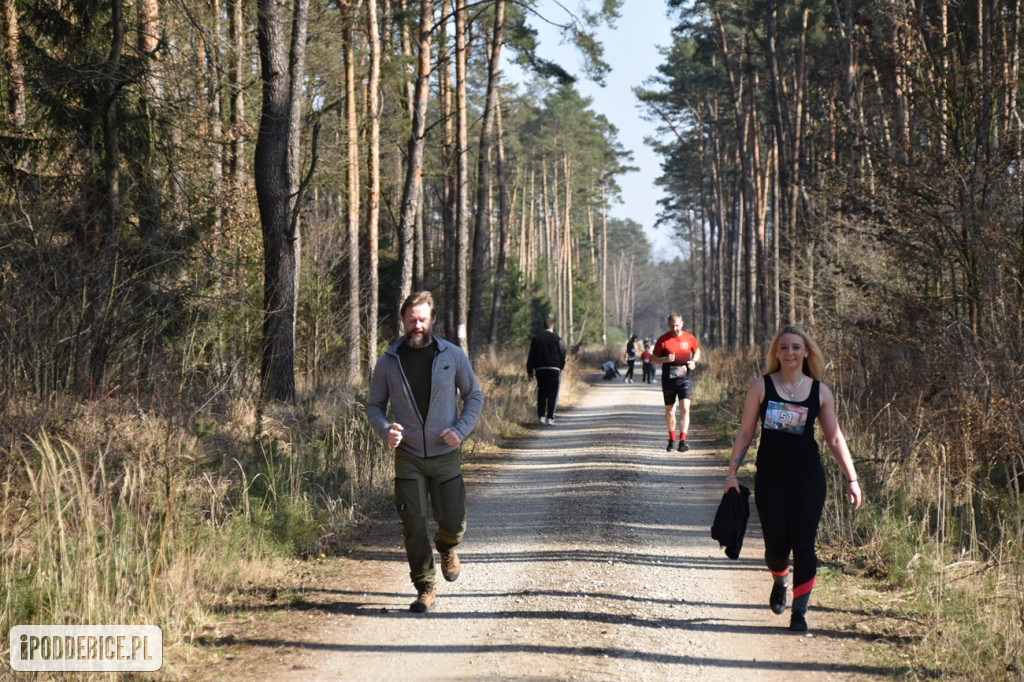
x=462, y=182
x=412, y=188
x=276, y=177
x=482, y=232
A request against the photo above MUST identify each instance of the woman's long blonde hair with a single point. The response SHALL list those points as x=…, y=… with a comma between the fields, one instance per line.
x=814, y=363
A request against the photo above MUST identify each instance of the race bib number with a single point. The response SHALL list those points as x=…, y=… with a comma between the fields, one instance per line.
x=676, y=371
x=786, y=417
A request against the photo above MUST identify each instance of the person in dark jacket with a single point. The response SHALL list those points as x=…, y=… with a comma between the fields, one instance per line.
x=545, y=362
x=789, y=488
x=422, y=377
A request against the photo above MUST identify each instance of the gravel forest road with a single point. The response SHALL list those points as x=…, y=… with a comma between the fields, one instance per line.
x=588, y=556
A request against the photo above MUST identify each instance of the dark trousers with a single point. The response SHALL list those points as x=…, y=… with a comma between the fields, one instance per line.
x=648, y=372
x=548, y=381
x=790, y=506
x=629, y=368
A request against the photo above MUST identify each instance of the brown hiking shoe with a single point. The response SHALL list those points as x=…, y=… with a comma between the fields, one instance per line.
x=424, y=599
x=450, y=566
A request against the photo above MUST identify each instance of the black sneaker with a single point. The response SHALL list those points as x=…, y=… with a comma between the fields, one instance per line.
x=683, y=447
x=797, y=623
x=777, y=600
x=671, y=446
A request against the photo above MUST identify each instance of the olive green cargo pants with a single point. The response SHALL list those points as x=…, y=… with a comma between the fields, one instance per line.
x=439, y=479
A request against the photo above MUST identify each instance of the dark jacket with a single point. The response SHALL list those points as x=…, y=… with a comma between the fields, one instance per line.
x=731, y=520
x=547, y=351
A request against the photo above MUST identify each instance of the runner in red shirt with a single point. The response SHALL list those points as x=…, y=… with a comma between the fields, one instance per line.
x=677, y=352
x=645, y=363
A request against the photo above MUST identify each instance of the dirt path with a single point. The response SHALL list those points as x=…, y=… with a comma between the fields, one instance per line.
x=588, y=556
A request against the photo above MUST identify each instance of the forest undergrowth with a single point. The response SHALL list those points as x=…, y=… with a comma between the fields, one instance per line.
x=932, y=566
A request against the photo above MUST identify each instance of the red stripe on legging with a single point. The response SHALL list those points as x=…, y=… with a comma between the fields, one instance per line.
x=779, y=573
x=801, y=590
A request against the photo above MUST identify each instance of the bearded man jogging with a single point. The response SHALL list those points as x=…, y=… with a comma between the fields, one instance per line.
x=678, y=353
x=419, y=375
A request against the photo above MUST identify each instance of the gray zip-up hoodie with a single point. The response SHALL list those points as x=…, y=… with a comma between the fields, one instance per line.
x=451, y=370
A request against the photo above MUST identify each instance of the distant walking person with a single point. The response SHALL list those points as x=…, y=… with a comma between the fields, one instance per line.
x=677, y=353
x=545, y=362
x=419, y=376
x=630, y=359
x=790, y=481
x=646, y=365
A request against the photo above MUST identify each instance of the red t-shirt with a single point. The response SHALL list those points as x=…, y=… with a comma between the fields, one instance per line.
x=646, y=356
x=684, y=346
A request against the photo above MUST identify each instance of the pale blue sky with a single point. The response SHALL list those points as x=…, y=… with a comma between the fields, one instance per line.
x=631, y=49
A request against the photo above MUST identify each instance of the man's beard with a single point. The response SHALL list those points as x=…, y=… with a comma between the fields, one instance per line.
x=419, y=342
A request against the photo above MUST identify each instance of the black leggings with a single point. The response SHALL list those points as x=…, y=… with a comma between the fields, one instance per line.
x=629, y=368
x=790, y=506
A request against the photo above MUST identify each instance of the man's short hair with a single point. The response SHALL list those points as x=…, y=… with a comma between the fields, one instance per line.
x=418, y=298
x=673, y=316
x=549, y=322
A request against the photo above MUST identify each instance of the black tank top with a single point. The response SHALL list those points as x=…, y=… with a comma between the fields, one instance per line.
x=787, y=431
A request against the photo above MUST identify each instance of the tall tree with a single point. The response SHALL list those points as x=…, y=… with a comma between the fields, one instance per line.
x=484, y=214
x=462, y=175
x=113, y=213
x=349, y=9
x=413, y=186
x=282, y=67
x=14, y=72
x=373, y=96
x=236, y=75
x=503, y=235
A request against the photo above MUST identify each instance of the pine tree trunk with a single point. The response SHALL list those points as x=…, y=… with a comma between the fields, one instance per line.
x=412, y=188
x=373, y=97
x=107, y=279
x=276, y=175
x=449, y=183
x=237, y=163
x=14, y=71
x=503, y=236
x=348, y=10
x=604, y=262
x=462, y=185
x=482, y=228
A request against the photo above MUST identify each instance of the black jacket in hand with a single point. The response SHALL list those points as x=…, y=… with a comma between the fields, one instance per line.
x=731, y=520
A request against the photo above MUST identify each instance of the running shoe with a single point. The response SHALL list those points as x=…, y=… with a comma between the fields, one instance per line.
x=777, y=599
x=797, y=622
